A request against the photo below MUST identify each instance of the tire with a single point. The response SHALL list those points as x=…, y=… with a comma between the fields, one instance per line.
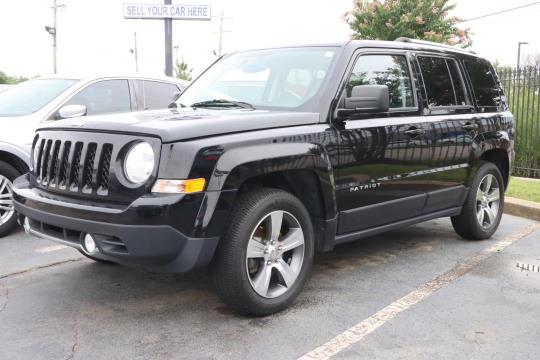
x=101, y=261
x=8, y=219
x=286, y=264
x=479, y=208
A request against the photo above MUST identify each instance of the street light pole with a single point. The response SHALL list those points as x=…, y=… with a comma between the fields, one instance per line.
x=53, y=32
x=168, y=43
x=519, y=51
x=54, y=36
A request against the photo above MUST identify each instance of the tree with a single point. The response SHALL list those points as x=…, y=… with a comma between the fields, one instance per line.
x=6, y=79
x=388, y=20
x=182, y=71
x=533, y=59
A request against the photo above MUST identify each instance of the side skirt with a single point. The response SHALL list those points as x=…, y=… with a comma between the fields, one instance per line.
x=344, y=238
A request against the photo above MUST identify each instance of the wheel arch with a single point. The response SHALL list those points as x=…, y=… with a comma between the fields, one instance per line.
x=500, y=158
x=302, y=169
x=15, y=156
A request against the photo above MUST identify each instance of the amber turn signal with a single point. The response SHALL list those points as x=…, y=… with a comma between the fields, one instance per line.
x=179, y=186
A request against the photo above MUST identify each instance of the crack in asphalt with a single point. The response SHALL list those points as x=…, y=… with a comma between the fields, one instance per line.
x=6, y=295
x=37, y=268
x=75, y=345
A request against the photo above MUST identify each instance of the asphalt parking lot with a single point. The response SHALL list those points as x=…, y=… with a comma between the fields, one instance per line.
x=420, y=292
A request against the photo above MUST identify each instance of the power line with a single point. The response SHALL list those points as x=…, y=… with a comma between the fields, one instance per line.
x=500, y=12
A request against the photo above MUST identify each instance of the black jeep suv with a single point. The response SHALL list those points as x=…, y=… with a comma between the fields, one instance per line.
x=272, y=155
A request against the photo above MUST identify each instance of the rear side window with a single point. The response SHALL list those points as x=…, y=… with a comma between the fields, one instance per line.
x=104, y=97
x=155, y=94
x=442, y=81
x=486, y=90
x=389, y=70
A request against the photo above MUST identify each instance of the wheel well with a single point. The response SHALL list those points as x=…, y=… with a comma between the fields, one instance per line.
x=14, y=161
x=499, y=157
x=304, y=184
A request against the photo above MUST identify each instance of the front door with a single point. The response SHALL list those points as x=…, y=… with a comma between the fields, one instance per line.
x=380, y=155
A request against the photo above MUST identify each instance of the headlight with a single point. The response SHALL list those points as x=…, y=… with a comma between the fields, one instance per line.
x=139, y=163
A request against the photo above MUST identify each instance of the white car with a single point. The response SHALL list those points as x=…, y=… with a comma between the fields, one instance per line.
x=24, y=106
x=4, y=87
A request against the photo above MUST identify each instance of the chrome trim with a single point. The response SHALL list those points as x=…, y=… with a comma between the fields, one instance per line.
x=41, y=235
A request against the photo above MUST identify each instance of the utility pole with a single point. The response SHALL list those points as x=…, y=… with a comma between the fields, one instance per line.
x=519, y=52
x=135, y=52
x=221, y=32
x=168, y=43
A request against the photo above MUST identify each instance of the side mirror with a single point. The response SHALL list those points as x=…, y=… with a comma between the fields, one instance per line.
x=71, y=111
x=368, y=99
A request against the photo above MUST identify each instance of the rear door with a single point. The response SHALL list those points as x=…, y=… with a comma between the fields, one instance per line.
x=154, y=95
x=452, y=128
x=381, y=154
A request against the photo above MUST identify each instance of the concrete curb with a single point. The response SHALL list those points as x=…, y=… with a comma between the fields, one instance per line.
x=523, y=208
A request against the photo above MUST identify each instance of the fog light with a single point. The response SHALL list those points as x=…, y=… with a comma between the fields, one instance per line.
x=26, y=225
x=89, y=244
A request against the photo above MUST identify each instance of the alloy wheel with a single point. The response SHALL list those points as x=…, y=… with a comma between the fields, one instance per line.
x=275, y=254
x=6, y=202
x=487, y=201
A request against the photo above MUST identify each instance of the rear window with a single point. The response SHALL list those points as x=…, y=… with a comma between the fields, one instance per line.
x=486, y=89
x=443, y=84
x=156, y=94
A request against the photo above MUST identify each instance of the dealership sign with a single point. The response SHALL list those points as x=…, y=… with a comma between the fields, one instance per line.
x=160, y=11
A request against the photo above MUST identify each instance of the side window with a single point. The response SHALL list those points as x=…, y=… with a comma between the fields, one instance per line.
x=104, y=97
x=442, y=81
x=485, y=87
x=156, y=95
x=389, y=70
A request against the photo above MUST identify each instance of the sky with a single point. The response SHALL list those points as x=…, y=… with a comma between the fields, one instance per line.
x=93, y=36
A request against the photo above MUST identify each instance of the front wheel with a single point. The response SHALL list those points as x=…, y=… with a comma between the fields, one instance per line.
x=483, y=208
x=96, y=259
x=266, y=254
x=8, y=220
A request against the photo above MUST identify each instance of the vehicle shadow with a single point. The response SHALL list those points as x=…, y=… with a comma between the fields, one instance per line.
x=114, y=288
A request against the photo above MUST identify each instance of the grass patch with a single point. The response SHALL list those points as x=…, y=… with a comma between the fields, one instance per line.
x=524, y=189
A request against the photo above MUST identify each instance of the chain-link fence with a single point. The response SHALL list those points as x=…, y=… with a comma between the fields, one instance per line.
x=522, y=90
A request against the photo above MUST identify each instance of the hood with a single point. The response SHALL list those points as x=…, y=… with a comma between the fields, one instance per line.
x=18, y=130
x=186, y=123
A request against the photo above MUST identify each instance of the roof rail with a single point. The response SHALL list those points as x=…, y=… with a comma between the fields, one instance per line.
x=431, y=43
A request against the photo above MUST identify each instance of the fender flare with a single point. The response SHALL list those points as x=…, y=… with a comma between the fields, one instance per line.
x=18, y=151
x=237, y=165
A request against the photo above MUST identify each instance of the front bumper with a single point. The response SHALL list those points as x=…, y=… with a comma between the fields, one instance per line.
x=139, y=234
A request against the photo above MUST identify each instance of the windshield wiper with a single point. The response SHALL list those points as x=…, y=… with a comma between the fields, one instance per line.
x=223, y=103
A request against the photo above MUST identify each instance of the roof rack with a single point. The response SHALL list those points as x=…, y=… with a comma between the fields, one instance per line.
x=431, y=43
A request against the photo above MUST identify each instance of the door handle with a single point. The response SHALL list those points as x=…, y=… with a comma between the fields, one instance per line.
x=414, y=132
x=470, y=126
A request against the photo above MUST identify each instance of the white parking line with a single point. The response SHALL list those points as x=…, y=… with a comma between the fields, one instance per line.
x=52, y=248
x=372, y=323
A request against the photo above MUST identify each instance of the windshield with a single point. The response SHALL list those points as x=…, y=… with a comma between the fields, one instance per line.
x=269, y=79
x=32, y=95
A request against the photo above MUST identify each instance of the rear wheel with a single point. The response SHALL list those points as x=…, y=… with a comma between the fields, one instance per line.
x=266, y=254
x=8, y=220
x=483, y=208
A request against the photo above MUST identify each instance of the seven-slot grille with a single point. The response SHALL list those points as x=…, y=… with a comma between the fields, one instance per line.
x=73, y=165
